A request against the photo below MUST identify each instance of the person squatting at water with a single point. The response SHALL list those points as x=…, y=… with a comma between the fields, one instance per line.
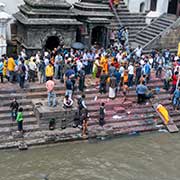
x=67, y=102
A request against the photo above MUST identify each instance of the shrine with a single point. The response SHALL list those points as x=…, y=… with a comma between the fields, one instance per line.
x=45, y=24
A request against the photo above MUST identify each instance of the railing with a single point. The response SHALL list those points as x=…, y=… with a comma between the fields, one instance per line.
x=167, y=29
x=154, y=20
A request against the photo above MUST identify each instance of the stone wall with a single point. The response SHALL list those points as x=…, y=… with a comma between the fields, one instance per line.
x=34, y=38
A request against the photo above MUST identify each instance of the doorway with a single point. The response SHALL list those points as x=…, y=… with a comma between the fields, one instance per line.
x=153, y=5
x=142, y=7
x=172, y=8
x=99, y=36
x=52, y=42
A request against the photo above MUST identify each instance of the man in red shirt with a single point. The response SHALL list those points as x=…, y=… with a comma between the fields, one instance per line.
x=174, y=81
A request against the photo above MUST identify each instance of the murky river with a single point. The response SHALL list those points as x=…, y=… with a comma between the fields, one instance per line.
x=144, y=157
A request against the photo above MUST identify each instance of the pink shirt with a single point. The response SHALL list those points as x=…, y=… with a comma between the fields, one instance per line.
x=50, y=85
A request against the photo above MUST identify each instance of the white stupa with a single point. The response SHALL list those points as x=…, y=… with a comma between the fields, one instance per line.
x=4, y=18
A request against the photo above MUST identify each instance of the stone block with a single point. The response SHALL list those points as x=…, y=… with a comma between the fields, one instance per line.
x=44, y=114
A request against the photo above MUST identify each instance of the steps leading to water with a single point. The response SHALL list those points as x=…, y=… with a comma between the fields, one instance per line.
x=135, y=118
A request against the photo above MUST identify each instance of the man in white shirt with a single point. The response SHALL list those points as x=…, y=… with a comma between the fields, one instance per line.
x=130, y=75
x=138, y=51
x=32, y=69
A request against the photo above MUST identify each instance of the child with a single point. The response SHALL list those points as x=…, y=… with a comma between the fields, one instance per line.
x=19, y=119
x=102, y=113
x=14, y=108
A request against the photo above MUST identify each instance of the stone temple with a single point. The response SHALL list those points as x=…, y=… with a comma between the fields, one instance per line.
x=45, y=24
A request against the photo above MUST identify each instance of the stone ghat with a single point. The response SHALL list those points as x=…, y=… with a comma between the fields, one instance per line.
x=126, y=118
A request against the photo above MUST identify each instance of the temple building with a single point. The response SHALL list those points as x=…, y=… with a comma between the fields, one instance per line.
x=43, y=24
x=96, y=18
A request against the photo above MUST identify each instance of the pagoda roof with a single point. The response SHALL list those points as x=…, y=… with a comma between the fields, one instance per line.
x=45, y=21
x=98, y=20
x=49, y=4
x=92, y=10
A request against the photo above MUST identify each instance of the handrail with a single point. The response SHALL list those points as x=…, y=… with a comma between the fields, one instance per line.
x=167, y=29
x=117, y=16
x=155, y=19
x=115, y=12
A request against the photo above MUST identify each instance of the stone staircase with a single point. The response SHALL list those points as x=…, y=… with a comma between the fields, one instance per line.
x=121, y=118
x=149, y=33
x=134, y=21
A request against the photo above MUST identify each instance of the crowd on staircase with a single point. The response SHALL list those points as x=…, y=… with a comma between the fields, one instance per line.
x=113, y=70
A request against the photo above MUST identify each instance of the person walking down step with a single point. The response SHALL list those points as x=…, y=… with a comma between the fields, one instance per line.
x=19, y=119
x=14, y=109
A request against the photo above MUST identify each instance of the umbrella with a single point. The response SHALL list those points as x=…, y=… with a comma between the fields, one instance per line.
x=77, y=45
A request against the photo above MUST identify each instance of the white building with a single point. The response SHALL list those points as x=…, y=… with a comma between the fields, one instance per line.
x=4, y=19
x=158, y=6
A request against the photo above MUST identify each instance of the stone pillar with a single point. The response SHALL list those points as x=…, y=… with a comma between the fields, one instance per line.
x=4, y=18
x=162, y=6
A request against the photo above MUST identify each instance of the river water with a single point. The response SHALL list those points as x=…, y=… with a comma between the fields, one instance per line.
x=152, y=156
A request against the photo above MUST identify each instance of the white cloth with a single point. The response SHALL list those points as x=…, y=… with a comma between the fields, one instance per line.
x=32, y=66
x=138, y=52
x=112, y=92
x=131, y=69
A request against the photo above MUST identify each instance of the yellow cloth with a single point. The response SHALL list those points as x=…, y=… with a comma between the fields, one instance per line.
x=178, y=53
x=49, y=71
x=163, y=111
x=11, y=64
x=104, y=64
x=5, y=68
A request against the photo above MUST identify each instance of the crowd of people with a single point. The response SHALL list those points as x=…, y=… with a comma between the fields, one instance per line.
x=114, y=70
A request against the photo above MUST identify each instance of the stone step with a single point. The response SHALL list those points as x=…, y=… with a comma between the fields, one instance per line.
x=6, y=109
x=10, y=123
x=123, y=117
x=166, y=24
x=146, y=36
x=58, y=93
x=7, y=116
x=166, y=19
x=142, y=39
x=131, y=24
x=138, y=109
x=150, y=33
x=161, y=25
x=9, y=130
